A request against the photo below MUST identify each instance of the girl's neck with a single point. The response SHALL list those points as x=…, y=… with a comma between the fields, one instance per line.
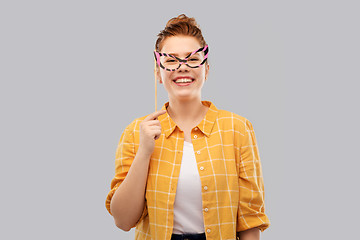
x=186, y=111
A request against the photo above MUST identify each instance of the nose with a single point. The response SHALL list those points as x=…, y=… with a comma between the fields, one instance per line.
x=183, y=67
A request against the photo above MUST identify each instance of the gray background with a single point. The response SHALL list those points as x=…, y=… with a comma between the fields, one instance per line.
x=75, y=73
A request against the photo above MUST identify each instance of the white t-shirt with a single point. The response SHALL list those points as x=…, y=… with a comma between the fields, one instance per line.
x=188, y=215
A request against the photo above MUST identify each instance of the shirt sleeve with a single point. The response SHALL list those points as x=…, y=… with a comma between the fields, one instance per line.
x=251, y=211
x=124, y=156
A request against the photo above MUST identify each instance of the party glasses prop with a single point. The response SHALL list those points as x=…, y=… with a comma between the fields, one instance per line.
x=193, y=60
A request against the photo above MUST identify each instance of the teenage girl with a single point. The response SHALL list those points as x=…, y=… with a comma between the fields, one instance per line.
x=189, y=170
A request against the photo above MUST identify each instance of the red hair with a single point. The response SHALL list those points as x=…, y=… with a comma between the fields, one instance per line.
x=180, y=25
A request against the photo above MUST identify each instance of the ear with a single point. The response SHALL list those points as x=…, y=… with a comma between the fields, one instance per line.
x=157, y=74
x=207, y=67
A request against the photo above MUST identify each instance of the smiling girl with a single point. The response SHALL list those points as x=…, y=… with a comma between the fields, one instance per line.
x=190, y=170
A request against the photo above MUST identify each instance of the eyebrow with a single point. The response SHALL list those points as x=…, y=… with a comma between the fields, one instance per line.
x=175, y=54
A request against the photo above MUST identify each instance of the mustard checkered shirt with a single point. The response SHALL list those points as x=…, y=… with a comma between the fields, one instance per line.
x=229, y=166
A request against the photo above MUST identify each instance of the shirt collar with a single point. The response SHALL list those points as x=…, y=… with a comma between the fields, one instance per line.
x=205, y=126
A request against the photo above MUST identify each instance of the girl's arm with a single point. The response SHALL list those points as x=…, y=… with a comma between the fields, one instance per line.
x=128, y=201
x=250, y=234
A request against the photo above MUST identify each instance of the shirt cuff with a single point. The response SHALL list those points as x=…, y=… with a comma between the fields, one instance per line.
x=249, y=221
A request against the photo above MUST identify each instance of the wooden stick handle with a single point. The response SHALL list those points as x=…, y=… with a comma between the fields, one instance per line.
x=155, y=86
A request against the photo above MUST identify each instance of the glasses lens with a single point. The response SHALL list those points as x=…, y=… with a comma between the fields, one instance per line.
x=195, y=59
x=169, y=62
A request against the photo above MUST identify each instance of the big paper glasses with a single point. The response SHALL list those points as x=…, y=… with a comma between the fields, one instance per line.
x=171, y=63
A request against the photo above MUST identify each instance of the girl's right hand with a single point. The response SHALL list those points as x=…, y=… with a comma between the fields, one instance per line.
x=150, y=130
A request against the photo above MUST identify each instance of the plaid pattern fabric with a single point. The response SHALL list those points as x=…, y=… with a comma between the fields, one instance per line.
x=229, y=166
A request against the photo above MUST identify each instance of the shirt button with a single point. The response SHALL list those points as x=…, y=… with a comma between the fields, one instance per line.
x=208, y=230
x=195, y=136
x=196, y=129
x=198, y=152
x=206, y=209
x=201, y=168
x=205, y=188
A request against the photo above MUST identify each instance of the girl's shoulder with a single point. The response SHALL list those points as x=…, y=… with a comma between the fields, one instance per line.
x=236, y=121
x=226, y=115
x=134, y=124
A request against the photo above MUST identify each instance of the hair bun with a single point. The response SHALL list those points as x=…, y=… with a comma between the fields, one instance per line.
x=182, y=18
x=181, y=25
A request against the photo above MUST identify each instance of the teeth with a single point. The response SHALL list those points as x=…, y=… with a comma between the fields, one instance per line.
x=183, y=80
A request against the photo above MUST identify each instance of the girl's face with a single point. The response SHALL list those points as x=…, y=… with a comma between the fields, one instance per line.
x=181, y=46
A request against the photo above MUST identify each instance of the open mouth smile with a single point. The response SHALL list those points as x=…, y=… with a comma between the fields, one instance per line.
x=183, y=81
